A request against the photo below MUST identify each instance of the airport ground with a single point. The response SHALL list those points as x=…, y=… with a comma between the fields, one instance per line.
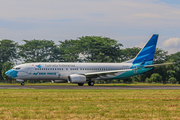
x=89, y=104
x=109, y=84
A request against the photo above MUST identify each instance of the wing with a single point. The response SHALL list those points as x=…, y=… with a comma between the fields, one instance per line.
x=106, y=72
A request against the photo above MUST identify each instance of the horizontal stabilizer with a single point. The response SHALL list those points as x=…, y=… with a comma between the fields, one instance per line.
x=156, y=65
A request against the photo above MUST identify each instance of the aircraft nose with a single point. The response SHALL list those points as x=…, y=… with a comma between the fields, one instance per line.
x=7, y=73
x=11, y=73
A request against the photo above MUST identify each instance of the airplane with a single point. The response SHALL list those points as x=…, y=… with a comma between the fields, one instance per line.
x=80, y=73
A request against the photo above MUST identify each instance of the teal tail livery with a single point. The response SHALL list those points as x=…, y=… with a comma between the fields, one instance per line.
x=81, y=73
x=147, y=52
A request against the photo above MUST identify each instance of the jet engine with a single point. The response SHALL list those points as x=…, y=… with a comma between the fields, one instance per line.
x=77, y=78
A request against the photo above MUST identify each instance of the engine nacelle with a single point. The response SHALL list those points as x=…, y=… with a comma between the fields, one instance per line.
x=77, y=78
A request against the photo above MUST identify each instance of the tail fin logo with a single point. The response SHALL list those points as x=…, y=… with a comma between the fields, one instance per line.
x=39, y=66
x=147, y=52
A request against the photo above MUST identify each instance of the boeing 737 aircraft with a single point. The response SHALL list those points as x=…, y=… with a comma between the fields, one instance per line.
x=81, y=73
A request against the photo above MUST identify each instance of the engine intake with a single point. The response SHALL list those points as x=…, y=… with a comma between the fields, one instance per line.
x=77, y=78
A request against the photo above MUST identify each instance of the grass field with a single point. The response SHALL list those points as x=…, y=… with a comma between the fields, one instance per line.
x=89, y=104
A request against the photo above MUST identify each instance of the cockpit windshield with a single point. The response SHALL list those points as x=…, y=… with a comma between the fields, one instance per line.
x=18, y=68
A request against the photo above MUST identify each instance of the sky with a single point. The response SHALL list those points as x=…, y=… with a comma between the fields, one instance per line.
x=130, y=22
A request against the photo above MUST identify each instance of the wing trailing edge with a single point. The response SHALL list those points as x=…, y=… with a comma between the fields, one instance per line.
x=107, y=72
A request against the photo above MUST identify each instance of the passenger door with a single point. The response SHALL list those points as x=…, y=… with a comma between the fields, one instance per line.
x=29, y=72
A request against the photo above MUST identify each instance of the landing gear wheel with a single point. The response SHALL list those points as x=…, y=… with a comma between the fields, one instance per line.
x=91, y=83
x=80, y=84
x=22, y=83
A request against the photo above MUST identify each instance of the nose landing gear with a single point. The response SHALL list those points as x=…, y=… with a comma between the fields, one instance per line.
x=22, y=83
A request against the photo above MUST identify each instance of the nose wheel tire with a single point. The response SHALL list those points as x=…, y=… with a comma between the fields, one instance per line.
x=91, y=83
x=80, y=84
x=22, y=84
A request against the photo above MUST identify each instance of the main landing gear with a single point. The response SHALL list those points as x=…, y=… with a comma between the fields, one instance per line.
x=22, y=84
x=91, y=83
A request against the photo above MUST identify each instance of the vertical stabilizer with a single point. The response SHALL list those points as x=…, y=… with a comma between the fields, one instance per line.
x=147, y=52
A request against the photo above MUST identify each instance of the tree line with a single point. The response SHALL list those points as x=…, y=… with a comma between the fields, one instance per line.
x=85, y=49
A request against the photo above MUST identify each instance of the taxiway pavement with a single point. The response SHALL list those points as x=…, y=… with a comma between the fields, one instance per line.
x=85, y=87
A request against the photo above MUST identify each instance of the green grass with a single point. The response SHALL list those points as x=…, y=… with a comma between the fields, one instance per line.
x=89, y=104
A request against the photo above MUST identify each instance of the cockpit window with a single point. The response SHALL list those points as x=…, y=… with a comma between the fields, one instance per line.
x=16, y=68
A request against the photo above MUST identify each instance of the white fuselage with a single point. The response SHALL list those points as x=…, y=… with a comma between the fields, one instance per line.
x=61, y=71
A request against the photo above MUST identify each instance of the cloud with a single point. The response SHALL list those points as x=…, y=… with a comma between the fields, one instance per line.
x=172, y=42
x=147, y=15
x=173, y=50
x=140, y=45
x=128, y=21
x=172, y=45
x=108, y=12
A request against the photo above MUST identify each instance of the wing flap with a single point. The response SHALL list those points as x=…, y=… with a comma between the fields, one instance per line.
x=107, y=72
